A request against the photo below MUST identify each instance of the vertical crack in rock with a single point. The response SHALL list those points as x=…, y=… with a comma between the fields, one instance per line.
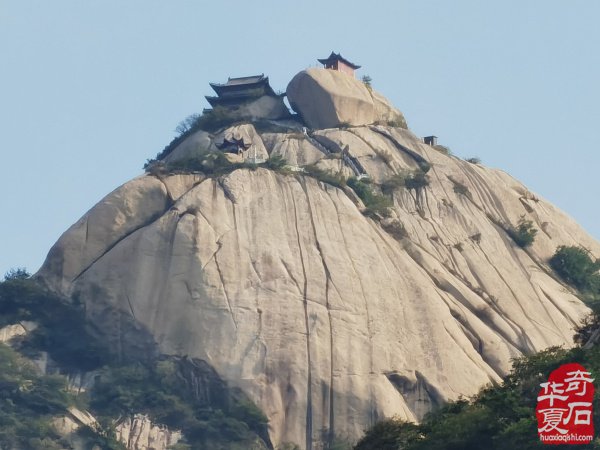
x=291, y=275
x=87, y=230
x=170, y=244
x=331, y=433
x=368, y=316
x=226, y=190
x=305, y=301
x=199, y=211
x=220, y=244
x=130, y=306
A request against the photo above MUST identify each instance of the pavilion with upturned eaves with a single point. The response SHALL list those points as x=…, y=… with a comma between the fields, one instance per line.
x=239, y=90
x=336, y=61
x=248, y=98
x=234, y=145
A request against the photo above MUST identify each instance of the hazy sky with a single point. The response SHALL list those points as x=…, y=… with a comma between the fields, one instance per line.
x=90, y=89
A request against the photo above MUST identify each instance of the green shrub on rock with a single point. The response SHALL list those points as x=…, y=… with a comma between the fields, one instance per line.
x=417, y=180
x=335, y=179
x=376, y=204
x=524, y=233
x=576, y=267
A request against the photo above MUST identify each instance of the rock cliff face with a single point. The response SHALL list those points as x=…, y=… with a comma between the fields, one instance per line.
x=327, y=319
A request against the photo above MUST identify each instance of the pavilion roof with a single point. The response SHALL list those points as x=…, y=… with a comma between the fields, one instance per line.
x=338, y=57
x=252, y=86
x=234, y=141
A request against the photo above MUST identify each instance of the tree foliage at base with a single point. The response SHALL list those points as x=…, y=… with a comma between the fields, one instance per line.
x=498, y=418
x=62, y=330
x=158, y=390
x=29, y=401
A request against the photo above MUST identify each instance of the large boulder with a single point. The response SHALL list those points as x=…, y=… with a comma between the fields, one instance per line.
x=386, y=113
x=193, y=146
x=328, y=98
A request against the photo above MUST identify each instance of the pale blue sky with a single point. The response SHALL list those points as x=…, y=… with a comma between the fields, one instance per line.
x=90, y=89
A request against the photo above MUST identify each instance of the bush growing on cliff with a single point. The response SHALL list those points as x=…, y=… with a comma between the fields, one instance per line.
x=275, y=162
x=376, y=204
x=367, y=80
x=212, y=163
x=443, y=149
x=395, y=228
x=212, y=120
x=394, y=183
x=576, y=267
x=187, y=124
x=524, y=233
x=460, y=188
x=335, y=179
x=415, y=179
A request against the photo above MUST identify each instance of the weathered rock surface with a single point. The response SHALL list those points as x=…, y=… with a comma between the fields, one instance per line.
x=9, y=332
x=324, y=319
x=200, y=142
x=385, y=112
x=327, y=98
x=195, y=145
x=297, y=149
x=139, y=433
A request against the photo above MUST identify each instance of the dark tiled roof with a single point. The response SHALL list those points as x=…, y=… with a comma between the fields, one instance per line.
x=253, y=79
x=247, y=87
x=338, y=57
x=234, y=142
